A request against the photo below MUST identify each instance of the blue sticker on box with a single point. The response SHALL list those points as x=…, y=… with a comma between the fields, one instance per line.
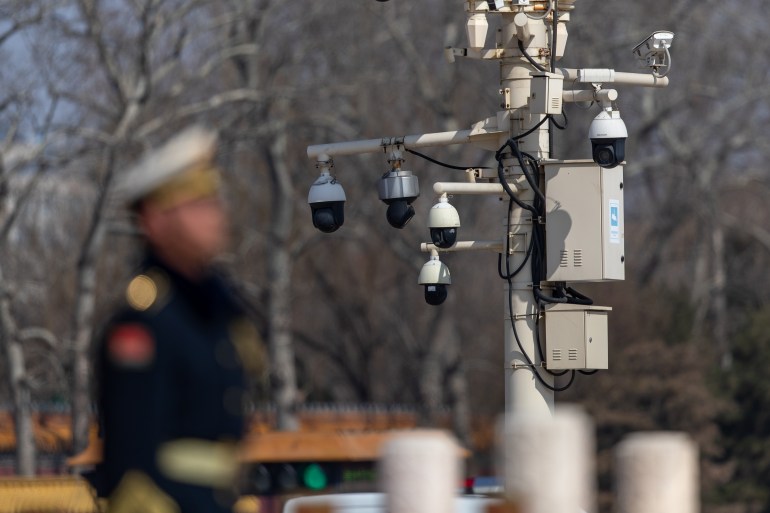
x=614, y=221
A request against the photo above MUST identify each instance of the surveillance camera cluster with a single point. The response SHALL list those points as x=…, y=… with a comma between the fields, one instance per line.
x=397, y=188
x=564, y=223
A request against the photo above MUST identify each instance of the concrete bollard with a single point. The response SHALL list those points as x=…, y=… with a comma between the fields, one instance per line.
x=548, y=462
x=420, y=472
x=657, y=472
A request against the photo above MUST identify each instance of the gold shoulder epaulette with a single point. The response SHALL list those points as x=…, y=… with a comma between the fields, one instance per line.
x=146, y=289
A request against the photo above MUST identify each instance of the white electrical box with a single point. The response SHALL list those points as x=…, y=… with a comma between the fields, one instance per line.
x=576, y=336
x=546, y=93
x=584, y=222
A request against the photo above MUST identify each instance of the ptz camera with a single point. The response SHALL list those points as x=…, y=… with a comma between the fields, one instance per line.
x=327, y=202
x=434, y=275
x=608, y=136
x=443, y=221
x=398, y=189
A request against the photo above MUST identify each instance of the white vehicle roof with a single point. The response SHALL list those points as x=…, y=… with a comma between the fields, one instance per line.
x=375, y=503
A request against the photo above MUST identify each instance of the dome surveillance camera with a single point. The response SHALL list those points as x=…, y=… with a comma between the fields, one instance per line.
x=327, y=203
x=398, y=189
x=443, y=221
x=434, y=275
x=608, y=138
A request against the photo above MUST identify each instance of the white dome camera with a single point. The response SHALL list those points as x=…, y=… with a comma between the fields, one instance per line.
x=443, y=221
x=608, y=136
x=327, y=201
x=434, y=275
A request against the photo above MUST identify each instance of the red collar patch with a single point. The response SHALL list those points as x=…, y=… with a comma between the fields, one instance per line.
x=131, y=345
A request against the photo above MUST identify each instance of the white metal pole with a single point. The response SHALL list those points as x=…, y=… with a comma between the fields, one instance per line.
x=524, y=392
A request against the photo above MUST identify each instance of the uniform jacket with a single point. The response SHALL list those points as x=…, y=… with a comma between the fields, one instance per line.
x=170, y=370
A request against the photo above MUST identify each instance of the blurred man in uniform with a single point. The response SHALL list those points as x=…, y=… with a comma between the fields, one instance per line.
x=171, y=362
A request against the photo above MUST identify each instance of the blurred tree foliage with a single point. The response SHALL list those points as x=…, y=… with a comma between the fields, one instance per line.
x=745, y=427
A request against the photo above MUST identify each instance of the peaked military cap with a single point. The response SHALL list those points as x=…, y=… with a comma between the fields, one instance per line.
x=180, y=170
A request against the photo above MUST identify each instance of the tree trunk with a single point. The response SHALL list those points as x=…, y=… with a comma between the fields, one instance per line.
x=26, y=452
x=458, y=402
x=280, y=338
x=83, y=319
x=430, y=383
x=442, y=382
x=719, y=294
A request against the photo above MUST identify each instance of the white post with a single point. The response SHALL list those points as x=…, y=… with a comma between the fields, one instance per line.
x=420, y=472
x=524, y=392
x=548, y=462
x=657, y=473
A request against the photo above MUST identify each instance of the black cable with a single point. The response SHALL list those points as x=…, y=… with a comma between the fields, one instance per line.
x=515, y=147
x=521, y=347
x=530, y=59
x=509, y=276
x=508, y=250
x=579, y=299
x=437, y=162
x=566, y=121
x=538, y=235
x=518, y=269
x=540, y=345
x=566, y=294
x=507, y=188
x=535, y=254
x=588, y=373
x=542, y=298
x=516, y=138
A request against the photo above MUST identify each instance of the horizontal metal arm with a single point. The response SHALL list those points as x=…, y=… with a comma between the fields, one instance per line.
x=468, y=245
x=610, y=76
x=589, y=95
x=377, y=145
x=471, y=188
